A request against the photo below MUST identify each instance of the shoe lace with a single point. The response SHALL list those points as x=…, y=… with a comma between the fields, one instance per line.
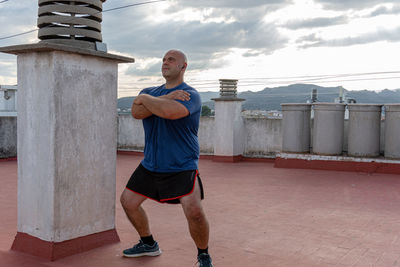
x=138, y=245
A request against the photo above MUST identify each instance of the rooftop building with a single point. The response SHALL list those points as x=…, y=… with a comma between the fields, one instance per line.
x=294, y=191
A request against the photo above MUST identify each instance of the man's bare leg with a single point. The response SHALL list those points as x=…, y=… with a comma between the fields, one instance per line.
x=197, y=221
x=131, y=203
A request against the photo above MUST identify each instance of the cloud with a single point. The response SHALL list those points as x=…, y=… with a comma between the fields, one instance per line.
x=382, y=35
x=231, y=3
x=316, y=22
x=152, y=70
x=383, y=10
x=204, y=43
x=311, y=38
x=8, y=69
x=16, y=17
x=351, y=4
x=136, y=32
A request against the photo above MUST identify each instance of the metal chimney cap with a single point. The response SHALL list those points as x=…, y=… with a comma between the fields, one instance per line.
x=72, y=22
x=228, y=88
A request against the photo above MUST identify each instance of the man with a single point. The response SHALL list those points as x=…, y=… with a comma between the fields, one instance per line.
x=168, y=173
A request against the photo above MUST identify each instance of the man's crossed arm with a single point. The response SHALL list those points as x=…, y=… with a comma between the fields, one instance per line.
x=164, y=106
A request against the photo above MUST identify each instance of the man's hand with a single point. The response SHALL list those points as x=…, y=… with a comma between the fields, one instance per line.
x=178, y=95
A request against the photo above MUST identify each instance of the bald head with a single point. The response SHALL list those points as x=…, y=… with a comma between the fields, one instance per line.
x=179, y=53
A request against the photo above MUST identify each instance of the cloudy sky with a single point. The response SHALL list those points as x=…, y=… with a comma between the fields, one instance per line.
x=263, y=43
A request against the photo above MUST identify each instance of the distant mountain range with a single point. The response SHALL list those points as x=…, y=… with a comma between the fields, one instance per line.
x=272, y=98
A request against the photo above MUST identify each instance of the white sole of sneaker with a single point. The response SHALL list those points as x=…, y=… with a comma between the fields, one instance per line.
x=151, y=254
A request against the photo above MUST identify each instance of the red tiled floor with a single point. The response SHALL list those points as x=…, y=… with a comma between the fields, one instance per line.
x=259, y=216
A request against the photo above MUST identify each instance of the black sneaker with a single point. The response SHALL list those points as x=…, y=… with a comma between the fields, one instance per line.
x=142, y=249
x=204, y=260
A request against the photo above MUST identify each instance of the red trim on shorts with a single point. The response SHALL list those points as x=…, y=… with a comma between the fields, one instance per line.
x=194, y=184
x=143, y=195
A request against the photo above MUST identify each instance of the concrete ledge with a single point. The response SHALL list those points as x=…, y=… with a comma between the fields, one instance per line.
x=8, y=114
x=228, y=99
x=48, y=47
x=56, y=250
x=337, y=163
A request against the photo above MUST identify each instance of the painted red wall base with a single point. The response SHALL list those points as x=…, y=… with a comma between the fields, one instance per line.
x=135, y=153
x=227, y=158
x=268, y=160
x=349, y=166
x=8, y=159
x=239, y=158
x=56, y=250
x=210, y=157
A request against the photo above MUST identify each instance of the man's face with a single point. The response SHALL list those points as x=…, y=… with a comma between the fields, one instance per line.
x=173, y=64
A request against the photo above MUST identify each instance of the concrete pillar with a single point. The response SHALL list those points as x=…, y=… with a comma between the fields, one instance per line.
x=296, y=128
x=364, y=130
x=229, y=127
x=67, y=119
x=392, y=131
x=328, y=128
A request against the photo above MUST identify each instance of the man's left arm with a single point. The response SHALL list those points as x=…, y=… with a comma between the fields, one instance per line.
x=140, y=112
x=162, y=107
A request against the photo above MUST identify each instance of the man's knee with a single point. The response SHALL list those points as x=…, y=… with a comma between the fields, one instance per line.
x=129, y=201
x=123, y=199
x=196, y=214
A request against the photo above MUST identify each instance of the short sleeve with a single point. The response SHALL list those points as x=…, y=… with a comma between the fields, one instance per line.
x=145, y=91
x=194, y=104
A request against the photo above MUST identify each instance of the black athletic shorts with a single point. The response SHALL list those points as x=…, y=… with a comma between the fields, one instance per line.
x=164, y=187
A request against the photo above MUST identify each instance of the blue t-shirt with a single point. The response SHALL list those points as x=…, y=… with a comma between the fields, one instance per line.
x=172, y=145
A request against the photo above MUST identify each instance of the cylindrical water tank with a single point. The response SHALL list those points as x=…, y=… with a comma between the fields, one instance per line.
x=364, y=130
x=328, y=128
x=392, y=131
x=296, y=127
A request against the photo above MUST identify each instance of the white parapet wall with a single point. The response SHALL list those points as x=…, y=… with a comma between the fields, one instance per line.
x=131, y=134
x=263, y=136
x=206, y=135
x=8, y=136
x=8, y=121
x=8, y=100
